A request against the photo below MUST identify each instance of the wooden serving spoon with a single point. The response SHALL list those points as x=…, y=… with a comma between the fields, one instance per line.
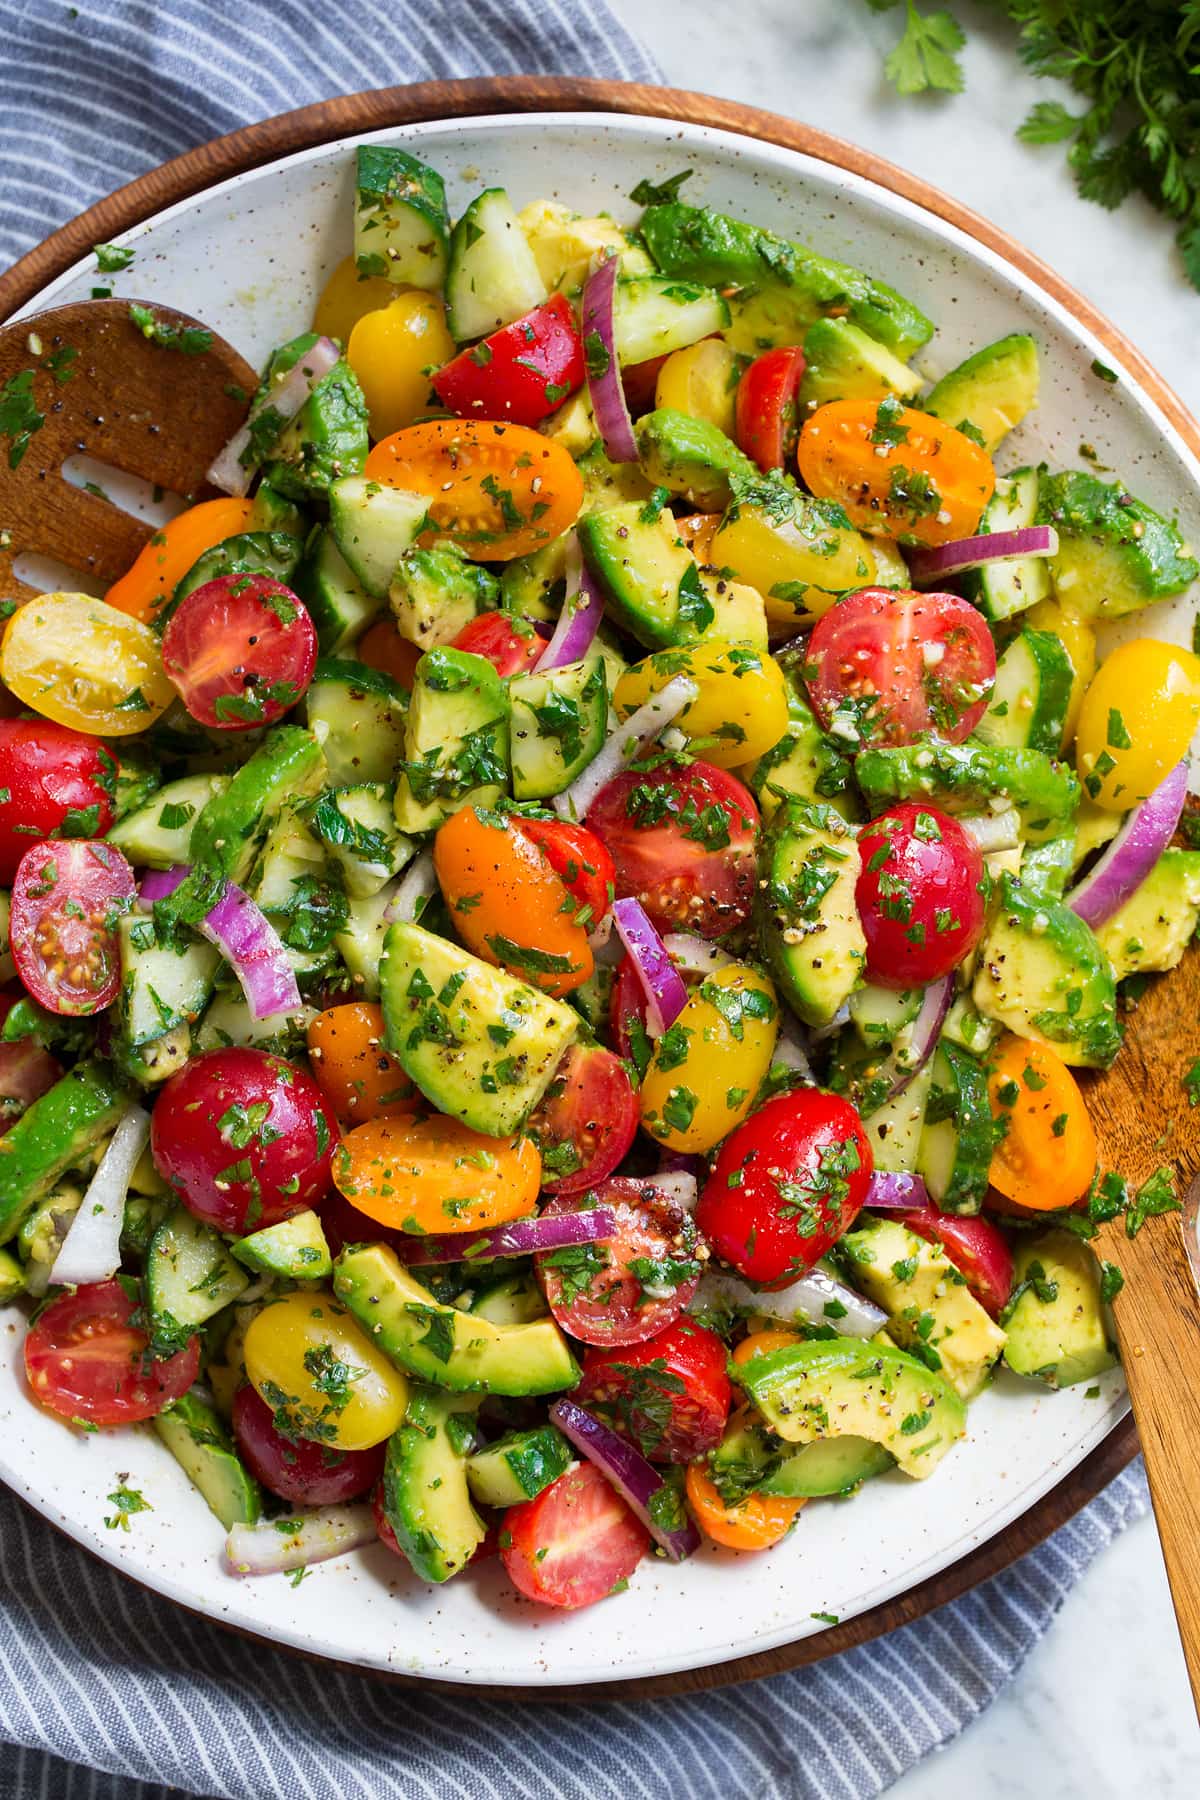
x=85, y=379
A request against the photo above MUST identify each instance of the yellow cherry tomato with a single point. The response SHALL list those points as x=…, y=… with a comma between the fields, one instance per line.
x=82, y=663
x=708, y=1066
x=310, y=1360
x=391, y=351
x=800, y=564
x=1079, y=641
x=1137, y=719
x=346, y=296
x=740, y=711
x=702, y=382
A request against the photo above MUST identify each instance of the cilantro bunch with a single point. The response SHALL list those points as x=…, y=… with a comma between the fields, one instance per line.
x=1136, y=64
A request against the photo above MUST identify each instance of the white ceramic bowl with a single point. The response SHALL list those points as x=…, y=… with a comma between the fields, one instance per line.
x=248, y=257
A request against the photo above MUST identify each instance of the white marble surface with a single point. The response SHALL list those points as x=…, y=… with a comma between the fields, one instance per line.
x=1101, y=1708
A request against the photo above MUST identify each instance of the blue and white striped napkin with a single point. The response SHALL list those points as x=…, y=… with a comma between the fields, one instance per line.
x=109, y=1693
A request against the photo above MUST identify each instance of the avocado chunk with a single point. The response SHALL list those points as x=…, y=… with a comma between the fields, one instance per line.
x=1055, y=1319
x=426, y=1500
x=54, y=1135
x=817, y=1390
x=456, y=739
x=228, y=834
x=842, y=363
x=1043, y=975
x=517, y=1467
x=481, y=1045
x=514, y=1299
x=931, y=1311
x=197, y=1438
x=691, y=457
x=808, y=920
x=650, y=580
x=805, y=764
x=435, y=593
x=1115, y=554
x=992, y=390
x=964, y=778
x=750, y=1460
x=461, y=1351
x=1154, y=927
x=357, y=716
x=295, y=1248
x=326, y=440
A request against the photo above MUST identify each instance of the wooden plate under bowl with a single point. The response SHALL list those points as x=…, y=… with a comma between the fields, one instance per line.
x=308, y=127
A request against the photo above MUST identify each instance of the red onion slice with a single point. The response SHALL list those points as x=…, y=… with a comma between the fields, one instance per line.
x=661, y=982
x=603, y=370
x=807, y=1298
x=637, y=1481
x=894, y=1191
x=519, y=1237
x=278, y=1545
x=902, y=1067
x=623, y=745
x=1127, y=861
x=244, y=937
x=929, y=564
x=91, y=1250
x=234, y=466
x=579, y=620
x=790, y=1052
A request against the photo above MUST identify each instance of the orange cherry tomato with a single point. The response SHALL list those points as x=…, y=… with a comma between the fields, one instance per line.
x=508, y=904
x=355, y=1073
x=1046, y=1155
x=435, y=1175
x=381, y=647
x=755, y=1523
x=761, y=1343
x=907, y=476
x=145, y=588
x=697, y=532
x=497, y=491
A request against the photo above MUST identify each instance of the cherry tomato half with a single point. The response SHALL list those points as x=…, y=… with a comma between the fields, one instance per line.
x=356, y=1074
x=758, y=1522
x=241, y=650
x=975, y=1247
x=632, y=1285
x=767, y=425
x=579, y=858
x=898, y=472
x=683, y=841
x=86, y=1359
x=895, y=664
x=575, y=1543
x=300, y=1471
x=786, y=1185
x=1045, y=1154
x=920, y=895
x=522, y=372
x=670, y=1395
x=511, y=645
x=52, y=780
x=67, y=899
x=586, y=1120
x=245, y=1138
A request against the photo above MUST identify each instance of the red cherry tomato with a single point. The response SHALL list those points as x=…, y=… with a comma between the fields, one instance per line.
x=300, y=1471
x=627, y=1013
x=896, y=665
x=578, y=856
x=26, y=1073
x=767, y=425
x=586, y=1120
x=510, y=646
x=670, y=1395
x=975, y=1247
x=66, y=901
x=683, y=841
x=241, y=650
x=920, y=895
x=521, y=373
x=601, y=1295
x=245, y=1138
x=786, y=1185
x=52, y=780
x=574, y=1543
x=85, y=1359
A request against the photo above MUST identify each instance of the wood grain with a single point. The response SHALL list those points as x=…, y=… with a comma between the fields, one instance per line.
x=255, y=145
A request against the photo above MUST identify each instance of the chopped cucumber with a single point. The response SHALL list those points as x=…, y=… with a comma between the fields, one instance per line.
x=401, y=226
x=493, y=277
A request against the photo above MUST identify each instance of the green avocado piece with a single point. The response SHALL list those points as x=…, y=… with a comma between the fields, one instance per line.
x=54, y=1135
x=1156, y=924
x=456, y=739
x=1057, y=1331
x=198, y=1439
x=1042, y=973
x=328, y=437
x=805, y=764
x=435, y=593
x=229, y=832
x=426, y=1497
x=650, y=580
x=992, y=390
x=295, y=1248
x=964, y=778
x=12, y=1277
x=750, y=1460
x=808, y=922
x=690, y=457
x=1115, y=554
x=842, y=363
x=461, y=1351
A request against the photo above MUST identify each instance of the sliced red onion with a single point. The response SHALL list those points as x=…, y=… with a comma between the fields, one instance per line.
x=661, y=982
x=994, y=831
x=579, y=620
x=807, y=1298
x=278, y=1545
x=607, y=394
x=818, y=1033
x=234, y=467
x=928, y=564
x=244, y=936
x=519, y=1237
x=905, y=1063
x=91, y=1250
x=416, y=886
x=895, y=1191
x=624, y=744
x=637, y=1481
x=790, y=1051
x=695, y=955
x=1127, y=861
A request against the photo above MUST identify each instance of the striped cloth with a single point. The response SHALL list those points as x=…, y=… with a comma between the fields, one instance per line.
x=109, y=1693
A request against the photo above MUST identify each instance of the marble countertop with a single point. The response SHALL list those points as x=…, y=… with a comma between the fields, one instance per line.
x=821, y=61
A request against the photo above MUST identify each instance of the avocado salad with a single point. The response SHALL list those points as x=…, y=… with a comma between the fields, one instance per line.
x=554, y=923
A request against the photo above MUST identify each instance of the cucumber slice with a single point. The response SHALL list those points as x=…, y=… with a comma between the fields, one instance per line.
x=372, y=526
x=957, y=1139
x=340, y=605
x=230, y=1021
x=1029, y=703
x=357, y=716
x=518, y=1466
x=1001, y=589
x=273, y=553
x=880, y=1014
x=894, y=1126
x=512, y=1300
x=492, y=277
x=653, y=315
x=296, y=1248
x=401, y=226
x=358, y=826
x=559, y=722
x=966, y=1026
x=158, y=835
x=360, y=943
x=190, y=1275
x=195, y=1434
x=160, y=988
x=830, y=1466
x=809, y=926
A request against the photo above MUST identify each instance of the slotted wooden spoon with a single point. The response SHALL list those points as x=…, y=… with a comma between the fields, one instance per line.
x=102, y=388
